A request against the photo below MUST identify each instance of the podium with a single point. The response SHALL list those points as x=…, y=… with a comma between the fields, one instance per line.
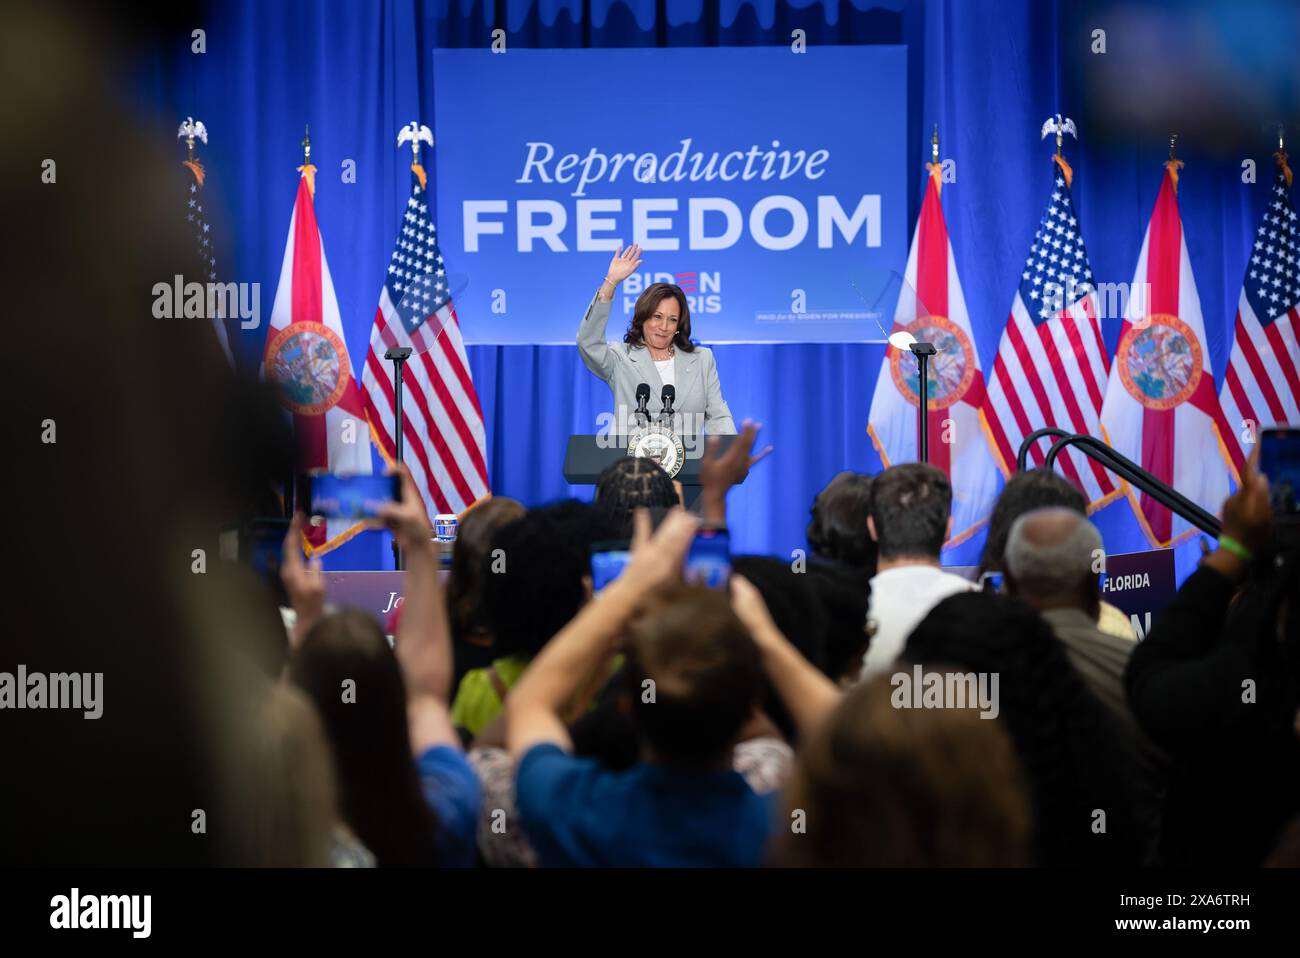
x=588, y=456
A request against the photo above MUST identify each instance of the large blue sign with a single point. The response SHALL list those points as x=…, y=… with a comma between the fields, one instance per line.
x=760, y=180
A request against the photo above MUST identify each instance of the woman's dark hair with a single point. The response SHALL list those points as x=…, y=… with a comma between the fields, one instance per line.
x=379, y=788
x=631, y=483
x=792, y=601
x=1024, y=492
x=645, y=307
x=536, y=587
x=844, y=594
x=473, y=537
x=1067, y=743
x=838, y=530
x=606, y=731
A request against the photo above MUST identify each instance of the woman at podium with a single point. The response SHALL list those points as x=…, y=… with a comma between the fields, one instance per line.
x=656, y=351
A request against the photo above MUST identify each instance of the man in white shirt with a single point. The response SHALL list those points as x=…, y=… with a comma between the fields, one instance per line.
x=909, y=517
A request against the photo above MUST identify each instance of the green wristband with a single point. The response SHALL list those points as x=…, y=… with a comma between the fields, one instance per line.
x=1236, y=548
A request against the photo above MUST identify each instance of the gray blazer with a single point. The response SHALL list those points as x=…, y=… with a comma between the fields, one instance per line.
x=699, y=394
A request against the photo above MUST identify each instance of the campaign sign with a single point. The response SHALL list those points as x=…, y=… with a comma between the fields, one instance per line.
x=379, y=593
x=759, y=180
x=1140, y=584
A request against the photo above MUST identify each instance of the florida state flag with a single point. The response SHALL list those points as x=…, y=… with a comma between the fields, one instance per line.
x=936, y=313
x=307, y=359
x=1161, y=409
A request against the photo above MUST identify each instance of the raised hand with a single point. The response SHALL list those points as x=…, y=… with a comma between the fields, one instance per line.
x=304, y=582
x=719, y=472
x=407, y=518
x=1247, y=513
x=624, y=264
x=731, y=467
x=748, y=604
x=657, y=559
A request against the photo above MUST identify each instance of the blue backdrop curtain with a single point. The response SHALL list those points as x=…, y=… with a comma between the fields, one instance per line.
x=987, y=72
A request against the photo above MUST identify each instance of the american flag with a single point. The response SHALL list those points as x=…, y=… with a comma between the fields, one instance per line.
x=1262, y=384
x=444, y=443
x=205, y=257
x=1051, y=366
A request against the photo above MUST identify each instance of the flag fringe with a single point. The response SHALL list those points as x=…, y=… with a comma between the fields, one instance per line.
x=1280, y=156
x=331, y=544
x=1066, y=171
x=1136, y=505
x=936, y=174
x=1173, y=166
x=418, y=170
x=993, y=446
x=197, y=169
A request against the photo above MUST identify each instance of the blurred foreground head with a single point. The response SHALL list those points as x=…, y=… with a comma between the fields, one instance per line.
x=906, y=787
x=131, y=446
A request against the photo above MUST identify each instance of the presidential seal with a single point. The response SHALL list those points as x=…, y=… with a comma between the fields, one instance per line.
x=951, y=370
x=309, y=365
x=1160, y=362
x=659, y=443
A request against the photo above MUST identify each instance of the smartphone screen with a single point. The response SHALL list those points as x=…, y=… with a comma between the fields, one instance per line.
x=608, y=559
x=351, y=497
x=991, y=582
x=709, y=561
x=1279, y=459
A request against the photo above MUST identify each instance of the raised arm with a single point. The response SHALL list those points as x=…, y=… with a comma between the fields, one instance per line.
x=535, y=704
x=423, y=643
x=304, y=583
x=596, y=354
x=719, y=472
x=807, y=694
x=1184, y=679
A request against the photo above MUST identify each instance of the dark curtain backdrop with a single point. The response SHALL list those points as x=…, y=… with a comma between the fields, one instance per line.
x=987, y=72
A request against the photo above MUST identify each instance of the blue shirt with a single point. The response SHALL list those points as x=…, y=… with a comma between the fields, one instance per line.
x=452, y=790
x=577, y=813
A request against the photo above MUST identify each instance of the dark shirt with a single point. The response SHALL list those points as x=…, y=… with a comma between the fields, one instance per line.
x=1101, y=658
x=1209, y=687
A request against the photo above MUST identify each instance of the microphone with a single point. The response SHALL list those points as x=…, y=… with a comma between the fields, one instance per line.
x=643, y=400
x=667, y=397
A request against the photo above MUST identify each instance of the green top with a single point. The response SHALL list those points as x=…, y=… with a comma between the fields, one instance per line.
x=477, y=702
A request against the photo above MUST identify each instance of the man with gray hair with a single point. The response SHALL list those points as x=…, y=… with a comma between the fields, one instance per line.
x=1052, y=564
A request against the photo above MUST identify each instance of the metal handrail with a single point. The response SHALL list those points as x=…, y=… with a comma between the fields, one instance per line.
x=1023, y=455
x=1122, y=466
x=1127, y=469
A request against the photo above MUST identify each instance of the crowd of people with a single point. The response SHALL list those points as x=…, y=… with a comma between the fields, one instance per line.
x=518, y=719
x=513, y=718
